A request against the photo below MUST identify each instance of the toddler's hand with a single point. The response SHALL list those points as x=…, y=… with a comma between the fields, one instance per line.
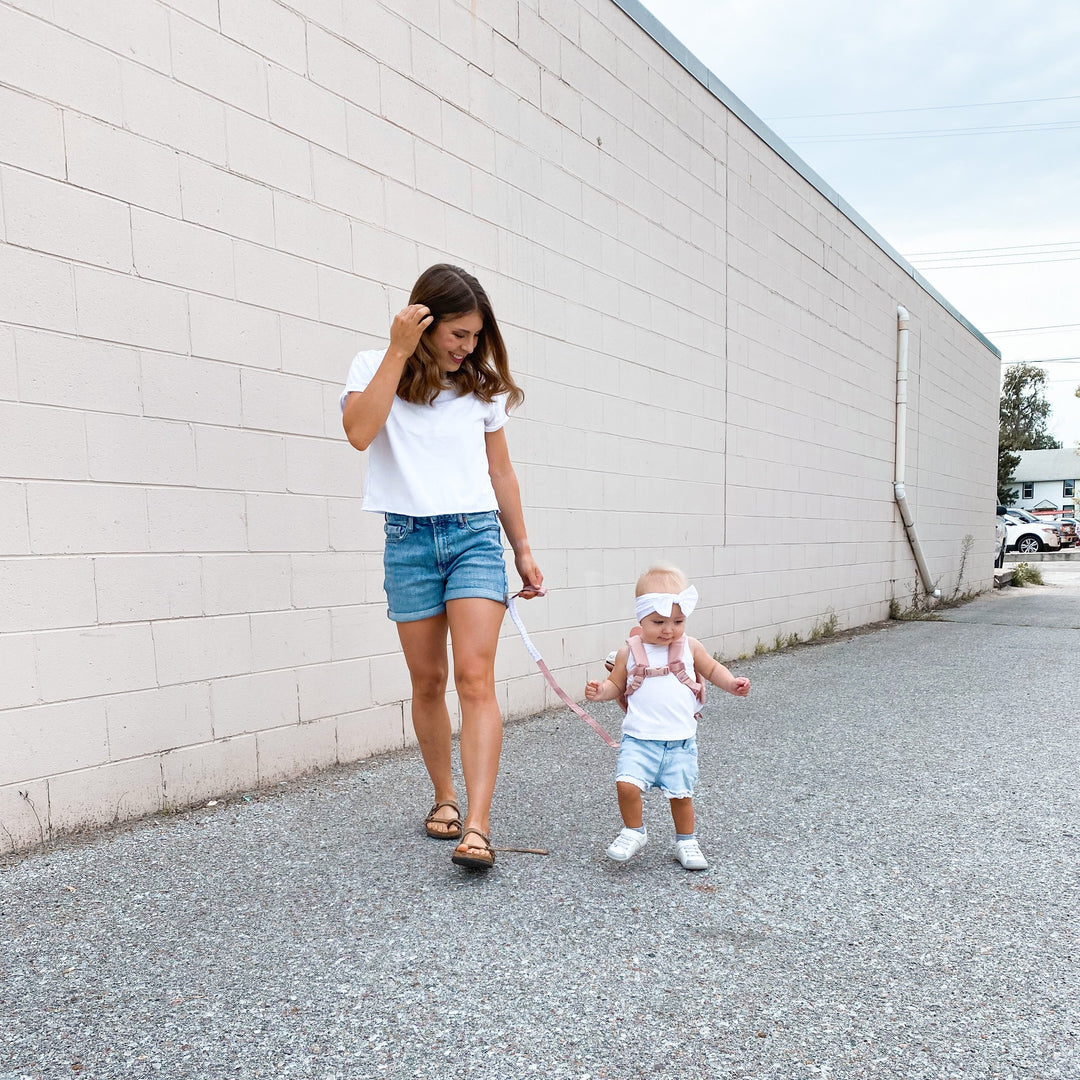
x=592, y=691
x=740, y=688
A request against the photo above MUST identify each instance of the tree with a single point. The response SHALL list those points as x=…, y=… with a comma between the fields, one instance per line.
x=1007, y=463
x=1022, y=418
x=1024, y=410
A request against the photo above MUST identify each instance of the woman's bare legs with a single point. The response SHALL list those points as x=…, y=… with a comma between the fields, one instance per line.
x=473, y=623
x=424, y=645
x=474, y=633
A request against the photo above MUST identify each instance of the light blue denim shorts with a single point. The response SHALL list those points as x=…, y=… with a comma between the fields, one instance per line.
x=429, y=560
x=670, y=766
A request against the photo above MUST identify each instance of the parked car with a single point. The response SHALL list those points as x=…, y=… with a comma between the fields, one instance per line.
x=1054, y=520
x=1027, y=537
x=1068, y=529
x=1029, y=517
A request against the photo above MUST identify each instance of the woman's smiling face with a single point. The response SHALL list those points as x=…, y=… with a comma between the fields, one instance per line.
x=454, y=339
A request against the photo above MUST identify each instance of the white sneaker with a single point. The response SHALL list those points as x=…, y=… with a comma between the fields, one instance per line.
x=689, y=854
x=627, y=844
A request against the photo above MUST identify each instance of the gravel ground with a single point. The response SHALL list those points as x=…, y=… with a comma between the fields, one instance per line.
x=892, y=820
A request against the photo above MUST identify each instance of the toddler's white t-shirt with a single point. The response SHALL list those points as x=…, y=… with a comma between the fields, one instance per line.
x=428, y=459
x=662, y=707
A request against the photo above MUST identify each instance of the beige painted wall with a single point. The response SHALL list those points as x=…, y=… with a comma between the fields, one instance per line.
x=206, y=206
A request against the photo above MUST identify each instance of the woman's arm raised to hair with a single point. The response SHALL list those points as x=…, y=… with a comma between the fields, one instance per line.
x=366, y=410
x=508, y=496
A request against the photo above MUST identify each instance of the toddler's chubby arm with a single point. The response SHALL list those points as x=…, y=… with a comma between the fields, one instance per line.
x=708, y=667
x=614, y=684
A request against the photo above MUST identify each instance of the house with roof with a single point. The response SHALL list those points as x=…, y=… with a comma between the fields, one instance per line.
x=1045, y=481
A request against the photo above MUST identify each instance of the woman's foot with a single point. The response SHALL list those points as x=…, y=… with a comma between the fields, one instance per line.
x=444, y=821
x=474, y=851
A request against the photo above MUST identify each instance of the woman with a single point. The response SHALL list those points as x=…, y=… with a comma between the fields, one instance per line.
x=432, y=410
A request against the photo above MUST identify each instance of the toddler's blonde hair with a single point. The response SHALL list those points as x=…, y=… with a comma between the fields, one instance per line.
x=661, y=578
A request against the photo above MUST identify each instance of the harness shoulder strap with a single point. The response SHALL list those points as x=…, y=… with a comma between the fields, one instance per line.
x=641, y=662
x=678, y=668
x=637, y=651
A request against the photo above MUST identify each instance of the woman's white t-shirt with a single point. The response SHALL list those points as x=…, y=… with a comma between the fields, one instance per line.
x=428, y=459
x=662, y=707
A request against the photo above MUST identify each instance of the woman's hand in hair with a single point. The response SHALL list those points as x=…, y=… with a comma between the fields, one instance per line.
x=407, y=328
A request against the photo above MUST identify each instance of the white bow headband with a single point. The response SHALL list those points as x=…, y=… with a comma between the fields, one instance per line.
x=662, y=603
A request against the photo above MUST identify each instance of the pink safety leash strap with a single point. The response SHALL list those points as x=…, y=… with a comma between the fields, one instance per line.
x=535, y=654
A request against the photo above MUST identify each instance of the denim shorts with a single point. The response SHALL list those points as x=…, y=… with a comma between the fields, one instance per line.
x=429, y=560
x=670, y=766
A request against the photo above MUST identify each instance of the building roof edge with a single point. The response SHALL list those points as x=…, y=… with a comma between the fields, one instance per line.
x=685, y=58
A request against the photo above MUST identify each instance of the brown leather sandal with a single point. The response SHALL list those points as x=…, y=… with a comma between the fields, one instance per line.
x=448, y=828
x=474, y=857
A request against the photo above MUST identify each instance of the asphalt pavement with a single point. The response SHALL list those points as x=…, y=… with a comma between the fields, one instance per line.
x=893, y=823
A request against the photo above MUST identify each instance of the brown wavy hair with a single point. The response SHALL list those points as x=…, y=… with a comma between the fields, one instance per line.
x=449, y=292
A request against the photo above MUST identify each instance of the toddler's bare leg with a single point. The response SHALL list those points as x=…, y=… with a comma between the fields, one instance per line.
x=682, y=813
x=630, y=804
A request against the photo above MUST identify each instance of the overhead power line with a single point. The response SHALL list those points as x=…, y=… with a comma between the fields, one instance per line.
x=973, y=265
x=1050, y=360
x=1000, y=249
x=937, y=133
x=1035, y=329
x=1019, y=255
x=925, y=108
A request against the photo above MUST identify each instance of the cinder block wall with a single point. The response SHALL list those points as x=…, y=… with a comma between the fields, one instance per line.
x=206, y=206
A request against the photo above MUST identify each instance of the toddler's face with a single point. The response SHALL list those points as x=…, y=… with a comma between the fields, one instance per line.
x=657, y=629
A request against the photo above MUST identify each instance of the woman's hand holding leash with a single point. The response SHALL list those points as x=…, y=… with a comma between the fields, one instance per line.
x=532, y=580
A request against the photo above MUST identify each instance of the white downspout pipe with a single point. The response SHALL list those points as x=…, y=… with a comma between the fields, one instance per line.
x=902, y=331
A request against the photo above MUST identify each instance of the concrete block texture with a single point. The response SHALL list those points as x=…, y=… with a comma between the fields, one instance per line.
x=372, y=731
x=39, y=290
x=208, y=206
x=291, y=751
x=32, y=136
x=60, y=219
x=45, y=740
x=246, y=703
x=45, y=61
x=214, y=768
x=19, y=686
x=105, y=158
x=119, y=791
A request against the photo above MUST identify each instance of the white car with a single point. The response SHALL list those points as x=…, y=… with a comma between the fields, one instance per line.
x=1028, y=537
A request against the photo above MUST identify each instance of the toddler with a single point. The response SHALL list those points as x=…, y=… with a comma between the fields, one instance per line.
x=658, y=677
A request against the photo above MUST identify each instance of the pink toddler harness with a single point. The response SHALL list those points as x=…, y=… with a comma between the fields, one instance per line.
x=674, y=666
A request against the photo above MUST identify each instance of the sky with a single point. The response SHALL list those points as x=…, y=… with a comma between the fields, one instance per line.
x=951, y=126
